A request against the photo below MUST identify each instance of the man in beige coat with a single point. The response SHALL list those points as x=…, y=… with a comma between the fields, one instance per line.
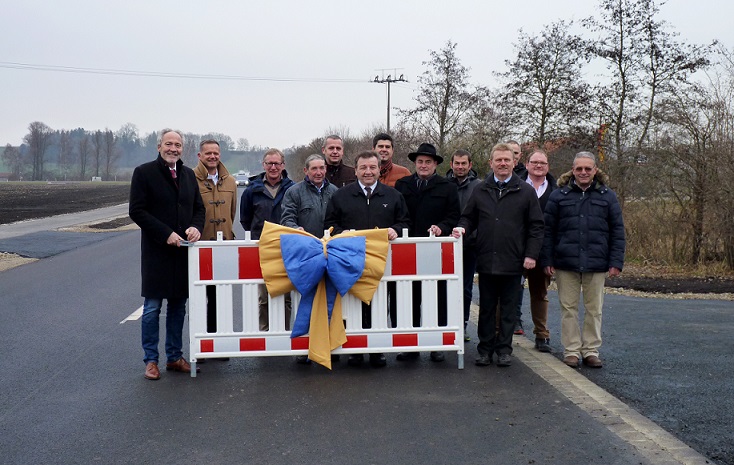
x=219, y=192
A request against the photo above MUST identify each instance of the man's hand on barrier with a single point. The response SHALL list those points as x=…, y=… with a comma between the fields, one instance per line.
x=193, y=234
x=174, y=239
x=391, y=234
x=457, y=232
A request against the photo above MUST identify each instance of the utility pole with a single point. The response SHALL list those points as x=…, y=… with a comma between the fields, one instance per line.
x=388, y=80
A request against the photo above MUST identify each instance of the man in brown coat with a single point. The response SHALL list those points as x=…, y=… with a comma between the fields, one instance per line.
x=219, y=192
x=389, y=172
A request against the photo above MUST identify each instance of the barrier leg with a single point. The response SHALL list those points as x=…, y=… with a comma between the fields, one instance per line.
x=193, y=368
x=460, y=361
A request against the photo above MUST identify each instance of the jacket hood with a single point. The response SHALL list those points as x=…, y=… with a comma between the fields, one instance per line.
x=259, y=180
x=600, y=177
x=202, y=173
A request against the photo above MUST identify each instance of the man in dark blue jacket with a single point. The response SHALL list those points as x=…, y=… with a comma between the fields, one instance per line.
x=261, y=202
x=584, y=240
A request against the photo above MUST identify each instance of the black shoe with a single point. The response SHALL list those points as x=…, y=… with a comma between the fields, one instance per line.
x=543, y=345
x=378, y=360
x=335, y=358
x=504, y=360
x=355, y=360
x=405, y=356
x=437, y=357
x=483, y=360
x=302, y=359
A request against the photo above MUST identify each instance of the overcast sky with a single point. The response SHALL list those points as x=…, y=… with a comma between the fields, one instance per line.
x=302, y=42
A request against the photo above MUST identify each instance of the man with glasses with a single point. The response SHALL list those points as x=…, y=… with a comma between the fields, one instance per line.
x=261, y=201
x=543, y=183
x=584, y=240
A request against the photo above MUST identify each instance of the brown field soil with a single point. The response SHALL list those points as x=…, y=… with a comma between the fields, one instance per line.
x=27, y=200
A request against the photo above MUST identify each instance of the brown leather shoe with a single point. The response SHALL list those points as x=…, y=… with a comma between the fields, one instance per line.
x=151, y=371
x=180, y=365
x=572, y=361
x=592, y=361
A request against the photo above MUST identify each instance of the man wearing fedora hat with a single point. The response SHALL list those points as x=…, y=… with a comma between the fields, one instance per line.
x=433, y=204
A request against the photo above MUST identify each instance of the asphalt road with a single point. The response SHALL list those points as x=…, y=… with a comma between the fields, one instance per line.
x=72, y=391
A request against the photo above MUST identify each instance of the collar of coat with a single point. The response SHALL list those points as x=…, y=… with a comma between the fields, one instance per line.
x=202, y=173
x=513, y=183
x=600, y=182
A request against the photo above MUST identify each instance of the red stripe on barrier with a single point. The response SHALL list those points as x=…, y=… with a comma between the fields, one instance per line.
x=403, y=340
x=447, y=258
x=299, y=343
x=356, y=341
x=249, y=265
x=403, y=259
x=206, y=271
x=449, y=339
x=249, y=344
x=207, y=345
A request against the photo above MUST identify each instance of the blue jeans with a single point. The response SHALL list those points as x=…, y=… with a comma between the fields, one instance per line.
x=175, y=315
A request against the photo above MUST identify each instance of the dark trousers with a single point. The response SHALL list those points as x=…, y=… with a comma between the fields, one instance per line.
x=470, y=265
x=211, y=309
x=442, y=303
x=494, y=289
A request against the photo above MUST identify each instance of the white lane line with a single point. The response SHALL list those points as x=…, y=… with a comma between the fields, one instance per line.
x=134, y=315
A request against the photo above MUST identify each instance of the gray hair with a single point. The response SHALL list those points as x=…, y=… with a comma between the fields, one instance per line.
x=315, y=156
x=166, y=131
x=274, y=152
x=585, y=155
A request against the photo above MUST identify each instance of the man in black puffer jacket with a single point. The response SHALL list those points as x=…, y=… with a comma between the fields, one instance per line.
x=584, y=240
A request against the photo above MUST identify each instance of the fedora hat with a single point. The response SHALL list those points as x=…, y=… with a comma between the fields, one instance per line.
x=426, y=149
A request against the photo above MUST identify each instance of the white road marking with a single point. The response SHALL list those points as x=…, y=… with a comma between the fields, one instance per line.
x=134, y=315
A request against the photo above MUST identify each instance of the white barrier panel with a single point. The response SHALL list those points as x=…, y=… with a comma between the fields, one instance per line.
x=234, y=268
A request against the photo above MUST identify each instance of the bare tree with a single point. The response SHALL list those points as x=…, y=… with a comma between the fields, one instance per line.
x=444, y=99
x=38, y=140
x=646, y=63
x=97, y=150
x=110, y=152
x=85, y=152
x=544, y=86
x=66, y=152
x=13, y=160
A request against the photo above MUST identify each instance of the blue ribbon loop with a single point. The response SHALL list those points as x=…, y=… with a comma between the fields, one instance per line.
x=306, y=265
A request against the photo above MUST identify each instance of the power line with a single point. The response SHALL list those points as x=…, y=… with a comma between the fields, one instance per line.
x=389, y=80
x=124, y=72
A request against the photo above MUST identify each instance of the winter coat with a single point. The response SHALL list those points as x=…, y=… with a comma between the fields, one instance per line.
x=391, y=176
x=509, y=225
x=465, y=189
x=521, y=170
x=160, y=208
x=257, y=206
x=350, y=209
x=437, y=203
x=304, y=205
x=584, y=229
x=220, y=201
x=340, y=175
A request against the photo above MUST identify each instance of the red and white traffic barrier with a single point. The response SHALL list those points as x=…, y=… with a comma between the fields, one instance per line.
x=234, y=268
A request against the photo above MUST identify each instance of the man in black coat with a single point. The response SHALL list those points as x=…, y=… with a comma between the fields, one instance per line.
x=367, y=204
x=433, y=204
x=165, y=202
x=543, y=182
x=504, y=211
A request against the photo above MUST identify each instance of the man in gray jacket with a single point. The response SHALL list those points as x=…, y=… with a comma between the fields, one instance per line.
x=304, y=204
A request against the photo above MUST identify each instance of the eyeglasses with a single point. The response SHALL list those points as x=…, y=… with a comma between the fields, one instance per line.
x=272, y=163
x=516, y=153
x=581, y=169
x=537, y=163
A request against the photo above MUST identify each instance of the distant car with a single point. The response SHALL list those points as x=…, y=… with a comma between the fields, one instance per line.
x=242, y=179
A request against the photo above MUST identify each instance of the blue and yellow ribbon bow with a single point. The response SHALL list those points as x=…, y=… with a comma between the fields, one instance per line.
x=322, y=270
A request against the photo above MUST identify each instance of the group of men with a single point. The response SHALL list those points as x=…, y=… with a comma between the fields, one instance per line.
x=513, y=227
